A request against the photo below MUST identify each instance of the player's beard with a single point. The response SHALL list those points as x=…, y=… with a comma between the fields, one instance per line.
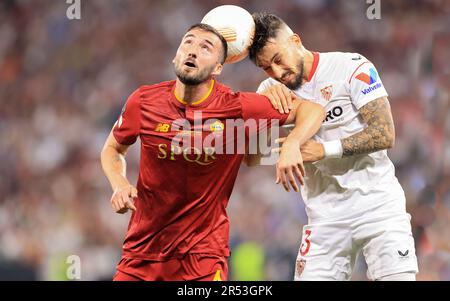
x=193, y=79
x=298, y=80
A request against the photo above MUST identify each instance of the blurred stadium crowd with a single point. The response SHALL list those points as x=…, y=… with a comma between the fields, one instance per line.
x=63, y=83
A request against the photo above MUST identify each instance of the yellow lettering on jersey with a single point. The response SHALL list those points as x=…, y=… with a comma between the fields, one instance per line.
x=209, y=151
x=162, y=154
x=195, y=153
x=217, y=277
x=188, y=151
x=174, y=150
x=162, y=127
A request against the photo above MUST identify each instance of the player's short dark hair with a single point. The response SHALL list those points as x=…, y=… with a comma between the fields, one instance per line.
x=266, y=27
x=209, y=28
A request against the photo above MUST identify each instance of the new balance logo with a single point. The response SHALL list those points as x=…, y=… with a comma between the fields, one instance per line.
x=162, y=127
x=403, y=254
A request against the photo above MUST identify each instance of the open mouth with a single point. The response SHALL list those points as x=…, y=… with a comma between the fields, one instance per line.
x=190, y=64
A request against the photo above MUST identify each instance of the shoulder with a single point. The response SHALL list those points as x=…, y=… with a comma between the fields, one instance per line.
x=223, y=90
x=236, y=98
x=348, y=58
x=343, y=64
x=225, y=93
x=268, y=82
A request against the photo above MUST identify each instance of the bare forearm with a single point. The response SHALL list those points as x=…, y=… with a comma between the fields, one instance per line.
x=379, y=134
x=308, y=119
x=114, y=167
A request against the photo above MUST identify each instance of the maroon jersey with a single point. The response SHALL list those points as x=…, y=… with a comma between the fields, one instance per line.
x=183, y=189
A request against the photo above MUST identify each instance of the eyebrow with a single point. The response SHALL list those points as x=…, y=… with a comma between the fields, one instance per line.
x=190, y=35
x=273, y=57
x=271, y=60
x=209, y=42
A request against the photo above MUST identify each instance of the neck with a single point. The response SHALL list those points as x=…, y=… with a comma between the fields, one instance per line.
x=308, y=61
x=191, y=94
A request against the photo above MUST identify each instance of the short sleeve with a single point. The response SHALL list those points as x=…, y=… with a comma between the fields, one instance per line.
x=265, y=84
x=365, y=85
x=256, y=106
x=128, y=126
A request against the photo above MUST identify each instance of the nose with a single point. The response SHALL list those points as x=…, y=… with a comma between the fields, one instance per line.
x=193, y=50
x=277, y=71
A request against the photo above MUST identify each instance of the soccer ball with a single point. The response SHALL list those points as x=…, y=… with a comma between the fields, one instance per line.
x=236, y=25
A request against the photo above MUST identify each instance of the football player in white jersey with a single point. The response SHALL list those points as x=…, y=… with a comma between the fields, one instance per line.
x=353, y=200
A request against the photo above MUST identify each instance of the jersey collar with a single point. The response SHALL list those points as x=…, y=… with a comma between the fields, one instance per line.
x=181, y=102
x=316, y=58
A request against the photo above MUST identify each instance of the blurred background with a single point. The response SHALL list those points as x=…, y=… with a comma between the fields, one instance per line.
x=63, y=83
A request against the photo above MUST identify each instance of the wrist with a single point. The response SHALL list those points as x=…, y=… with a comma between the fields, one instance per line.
x=119, y=182
x=333, y=149
x=291, y=142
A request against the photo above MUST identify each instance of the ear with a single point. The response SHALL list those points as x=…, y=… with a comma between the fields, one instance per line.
x=217, y=70
x=295, y=38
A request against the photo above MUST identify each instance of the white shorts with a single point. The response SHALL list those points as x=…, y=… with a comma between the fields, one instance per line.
x=329, y=249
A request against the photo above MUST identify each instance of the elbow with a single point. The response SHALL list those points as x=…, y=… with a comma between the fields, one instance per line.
x=103, y=157
x=390, y=140
x=107, y=153
x=391, y=137
x=104, y=152
x=386, y=141
x=322, y=112
x=314, y=109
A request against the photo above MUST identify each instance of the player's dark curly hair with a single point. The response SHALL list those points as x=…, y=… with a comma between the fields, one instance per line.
x=266, y=27
x=209, y=28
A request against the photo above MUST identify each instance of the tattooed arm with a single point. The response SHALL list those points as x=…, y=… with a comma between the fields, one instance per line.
x=114, y=167
x=379, y=133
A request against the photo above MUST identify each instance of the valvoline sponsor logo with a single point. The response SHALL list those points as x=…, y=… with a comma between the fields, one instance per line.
x=370, y=89
x=369, y=79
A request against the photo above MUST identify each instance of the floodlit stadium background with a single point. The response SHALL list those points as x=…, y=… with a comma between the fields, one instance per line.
x=63, y=83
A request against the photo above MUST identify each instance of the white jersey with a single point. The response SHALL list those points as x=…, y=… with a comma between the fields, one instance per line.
x=338, y=188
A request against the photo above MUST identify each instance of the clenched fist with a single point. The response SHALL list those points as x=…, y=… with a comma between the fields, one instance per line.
x=122, y=199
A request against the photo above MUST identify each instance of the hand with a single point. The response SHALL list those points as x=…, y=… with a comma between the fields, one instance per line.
x=311, y=150
x=120, y=200
x=289, y=164
x=280, y=97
